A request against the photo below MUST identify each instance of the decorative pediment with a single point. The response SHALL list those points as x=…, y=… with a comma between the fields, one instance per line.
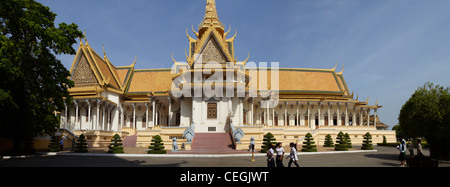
x=83, y=73
x=212, y=52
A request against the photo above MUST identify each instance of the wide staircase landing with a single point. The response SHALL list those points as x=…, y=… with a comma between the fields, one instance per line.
x=212, y=143
x=130, y=140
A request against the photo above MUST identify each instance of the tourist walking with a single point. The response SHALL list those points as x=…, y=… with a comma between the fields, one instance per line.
x=419, y=147
x=293, y=155
x=61, y=144
x=280, y=154
x=410, y=149
x=270, y=154
x=402, y=149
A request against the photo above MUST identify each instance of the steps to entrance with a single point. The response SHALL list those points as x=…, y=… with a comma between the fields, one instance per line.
x=130, y=140
x=212, y=141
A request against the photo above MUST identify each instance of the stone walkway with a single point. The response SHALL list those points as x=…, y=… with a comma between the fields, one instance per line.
x=382, y=157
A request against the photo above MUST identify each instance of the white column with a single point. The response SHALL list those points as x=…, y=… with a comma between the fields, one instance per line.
x=146, y=115
x=361, y=116
x=338, y=121
x=354, y=116
x=330, y=117
x=153, y=112
x=298, y=119
x=375, y=117
x=285, y=123
x=346, y=114
x=169, y=113
x=241, y=110
x=273, y=115
x=251, y=103
x=309, y=114
x=318, y=112
x=89, y=113
x=368, y=116
x=157, y=114
x=76, y=113
x=65, y=114
x=97, y=118
x=134, y=116
x=105, y=116
x=267, y=113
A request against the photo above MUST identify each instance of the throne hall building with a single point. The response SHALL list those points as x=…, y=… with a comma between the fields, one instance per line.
x=141, y=103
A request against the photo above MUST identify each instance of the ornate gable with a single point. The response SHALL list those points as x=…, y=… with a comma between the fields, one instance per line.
x=83, y=73
x=212, y=52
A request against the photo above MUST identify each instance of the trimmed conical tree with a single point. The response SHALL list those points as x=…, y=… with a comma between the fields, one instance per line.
x=116, y=145
x=328, y=141
x=81, y=146
x=308, y=144
x=349, y=141
x=53, y=145
x=367, y=142
x=268, y=139
x=157, y=147
x=341, y=142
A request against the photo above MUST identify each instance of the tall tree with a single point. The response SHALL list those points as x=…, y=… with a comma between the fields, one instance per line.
x=427, y=114
x=33, y=82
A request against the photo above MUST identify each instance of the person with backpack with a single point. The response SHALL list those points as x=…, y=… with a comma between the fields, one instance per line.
x=402, y=148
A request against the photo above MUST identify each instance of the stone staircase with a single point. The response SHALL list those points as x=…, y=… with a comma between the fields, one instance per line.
x=130, y=140
x=214, y=143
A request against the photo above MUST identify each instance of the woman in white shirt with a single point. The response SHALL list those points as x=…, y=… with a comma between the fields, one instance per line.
x=280, y=154
x=270, y=153
x=293, y=155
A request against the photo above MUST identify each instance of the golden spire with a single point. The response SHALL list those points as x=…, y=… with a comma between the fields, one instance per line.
x=211, y=18
x=211, y=11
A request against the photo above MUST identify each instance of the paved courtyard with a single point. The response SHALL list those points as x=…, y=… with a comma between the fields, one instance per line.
x=383, y=157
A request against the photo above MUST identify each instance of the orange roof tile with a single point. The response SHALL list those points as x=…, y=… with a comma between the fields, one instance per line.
x=145, y=81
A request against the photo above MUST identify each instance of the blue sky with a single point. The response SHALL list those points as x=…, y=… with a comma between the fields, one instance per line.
x=388, y=47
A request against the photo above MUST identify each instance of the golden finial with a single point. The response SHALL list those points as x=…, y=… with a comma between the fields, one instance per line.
x=341, y=70
x=104, y=53
x=185, y=54
x=196, y=33
x=334, y=67
x=226, y=33
x=85, y=39
x=187, y=34
x=248, y=56
x=135, y=60
x=376, y=102
x=174, y=61
x=235, y=33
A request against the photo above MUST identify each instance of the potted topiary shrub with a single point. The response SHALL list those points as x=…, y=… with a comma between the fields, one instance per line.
x=116, y=145
x=308, y=144
x=328, y=141
x=53, y=145
x=157, y=147
x=341, y=142
x=349, y=141
x=367, y=142
x=81, y=146
x=267, y=140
